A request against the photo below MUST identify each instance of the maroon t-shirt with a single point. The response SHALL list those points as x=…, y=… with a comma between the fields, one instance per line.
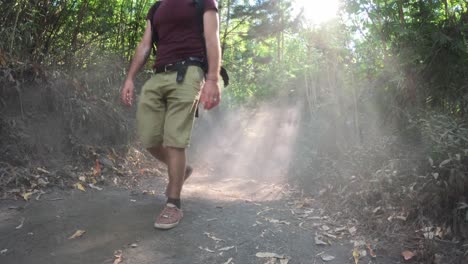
x=179, y=31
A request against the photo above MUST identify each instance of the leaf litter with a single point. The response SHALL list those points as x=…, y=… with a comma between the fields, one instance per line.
x=213, y=237
x=408, y=255
x=356, y=255
x=272, y=257
x=77, y=234
x=118, y=255
x=21, y=223
x=79, y=186
x=319, y=240
x=326, y=257
x=95, y=187
x=226, y=248
x=269, y=255
x=229, y=261
x=207, y=249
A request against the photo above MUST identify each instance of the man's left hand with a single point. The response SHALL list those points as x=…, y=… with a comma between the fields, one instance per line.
x=210, y=94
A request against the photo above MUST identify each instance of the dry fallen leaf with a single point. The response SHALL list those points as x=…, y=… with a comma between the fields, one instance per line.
x=77, y=234
x=356, y=255
x=269, y=255
x=95, y=187
x=213, y=237
x=43, y=170
x=228, y=261
x=330, y=235
x=97, y=169
x=340, y=229
x=27, y=195
x=118, y=257
x=206, y=249
x=39, y=195
x=319, y=241
x=407, y=255
x=21, y=223
x=225, y=248
x=371, y=251
x=445, y=162
x=79, y=186
x=326, y=257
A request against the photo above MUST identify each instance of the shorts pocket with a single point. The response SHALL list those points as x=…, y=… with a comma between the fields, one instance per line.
x=195, y=77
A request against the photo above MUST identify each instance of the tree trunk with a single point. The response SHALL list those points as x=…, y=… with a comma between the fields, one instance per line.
x=226, y=27
x=401, y=14
x=447, y=15
x=12, y=43
x=74, y=42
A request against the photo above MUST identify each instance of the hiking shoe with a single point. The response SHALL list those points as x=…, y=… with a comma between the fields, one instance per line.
x=169, y=217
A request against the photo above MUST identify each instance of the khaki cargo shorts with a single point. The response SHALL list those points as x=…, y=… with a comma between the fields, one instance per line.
x=166, y=109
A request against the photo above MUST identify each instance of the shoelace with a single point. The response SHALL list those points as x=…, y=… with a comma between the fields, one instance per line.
x=169, y=212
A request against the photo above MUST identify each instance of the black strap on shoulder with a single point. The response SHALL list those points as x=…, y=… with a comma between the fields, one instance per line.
x=154, y=36
x=200, y=5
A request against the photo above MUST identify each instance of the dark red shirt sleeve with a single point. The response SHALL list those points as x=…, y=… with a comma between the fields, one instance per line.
x=211, y=5
x=151, y=12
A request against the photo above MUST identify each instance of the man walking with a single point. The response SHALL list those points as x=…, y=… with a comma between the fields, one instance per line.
x=169, y=100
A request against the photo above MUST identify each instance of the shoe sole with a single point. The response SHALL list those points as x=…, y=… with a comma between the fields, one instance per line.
x=165, y=226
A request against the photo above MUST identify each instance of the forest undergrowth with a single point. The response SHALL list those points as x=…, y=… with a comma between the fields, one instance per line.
x=63, y=130
x=404, y=188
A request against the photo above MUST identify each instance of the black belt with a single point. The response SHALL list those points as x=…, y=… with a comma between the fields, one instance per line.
x=191, y=61
x=181, y=68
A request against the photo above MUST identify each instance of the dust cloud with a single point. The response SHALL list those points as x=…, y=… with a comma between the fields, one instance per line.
x=249, y=149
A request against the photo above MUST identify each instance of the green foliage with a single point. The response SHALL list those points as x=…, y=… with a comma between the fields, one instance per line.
x=445, y=136
x=422, y=43
x=71, y=34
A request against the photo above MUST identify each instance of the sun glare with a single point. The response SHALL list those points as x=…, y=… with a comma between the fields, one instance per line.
x=319, y=11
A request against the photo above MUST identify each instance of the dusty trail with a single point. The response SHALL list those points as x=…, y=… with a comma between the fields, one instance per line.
x=114, y=219
x=233, y=210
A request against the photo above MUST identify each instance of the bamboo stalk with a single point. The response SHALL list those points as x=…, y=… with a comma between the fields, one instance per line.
x=14, y=28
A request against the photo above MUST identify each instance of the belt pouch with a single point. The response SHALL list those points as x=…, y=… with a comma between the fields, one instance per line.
x=181, y=71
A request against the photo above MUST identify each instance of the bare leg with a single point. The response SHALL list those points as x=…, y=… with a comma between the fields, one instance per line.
x=160, y=153
x=176, y=167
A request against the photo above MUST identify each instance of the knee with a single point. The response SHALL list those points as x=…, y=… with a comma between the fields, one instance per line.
x=175, y=150
x=157, y=151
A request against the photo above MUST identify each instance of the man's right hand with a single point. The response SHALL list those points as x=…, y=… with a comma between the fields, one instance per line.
x=127, y=93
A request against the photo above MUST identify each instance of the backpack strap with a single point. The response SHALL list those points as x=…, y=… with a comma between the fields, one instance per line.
x=200, y=5
x=154, y=35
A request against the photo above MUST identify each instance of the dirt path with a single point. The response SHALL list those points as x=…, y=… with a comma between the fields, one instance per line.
x=236, y=205
x=224, y=219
